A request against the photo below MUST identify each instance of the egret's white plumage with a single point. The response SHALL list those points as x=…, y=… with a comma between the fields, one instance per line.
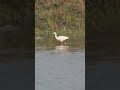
x=60, y=38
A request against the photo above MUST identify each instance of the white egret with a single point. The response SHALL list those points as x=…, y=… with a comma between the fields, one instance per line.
x=60, y=38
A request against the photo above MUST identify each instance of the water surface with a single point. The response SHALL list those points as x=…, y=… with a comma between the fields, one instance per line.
x=59, y=68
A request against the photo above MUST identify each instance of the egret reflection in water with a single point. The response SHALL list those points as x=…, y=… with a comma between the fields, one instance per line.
x=61, y=47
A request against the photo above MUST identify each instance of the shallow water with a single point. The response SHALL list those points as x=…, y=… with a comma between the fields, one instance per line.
x=59, y=68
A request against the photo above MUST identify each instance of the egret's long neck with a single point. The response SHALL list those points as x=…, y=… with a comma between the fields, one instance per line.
x=56, y=35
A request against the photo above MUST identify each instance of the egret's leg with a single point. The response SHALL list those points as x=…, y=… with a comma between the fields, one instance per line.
x=65, y=43
x=61, y=42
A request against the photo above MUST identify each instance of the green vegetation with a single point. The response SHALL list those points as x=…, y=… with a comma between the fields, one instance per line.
x=66, y=17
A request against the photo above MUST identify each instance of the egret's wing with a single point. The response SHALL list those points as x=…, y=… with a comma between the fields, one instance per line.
x=62, y=37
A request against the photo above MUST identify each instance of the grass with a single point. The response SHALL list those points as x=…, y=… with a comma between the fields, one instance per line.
x=63, y=16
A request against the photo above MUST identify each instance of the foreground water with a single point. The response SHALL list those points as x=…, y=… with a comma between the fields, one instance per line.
x=59, y=68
